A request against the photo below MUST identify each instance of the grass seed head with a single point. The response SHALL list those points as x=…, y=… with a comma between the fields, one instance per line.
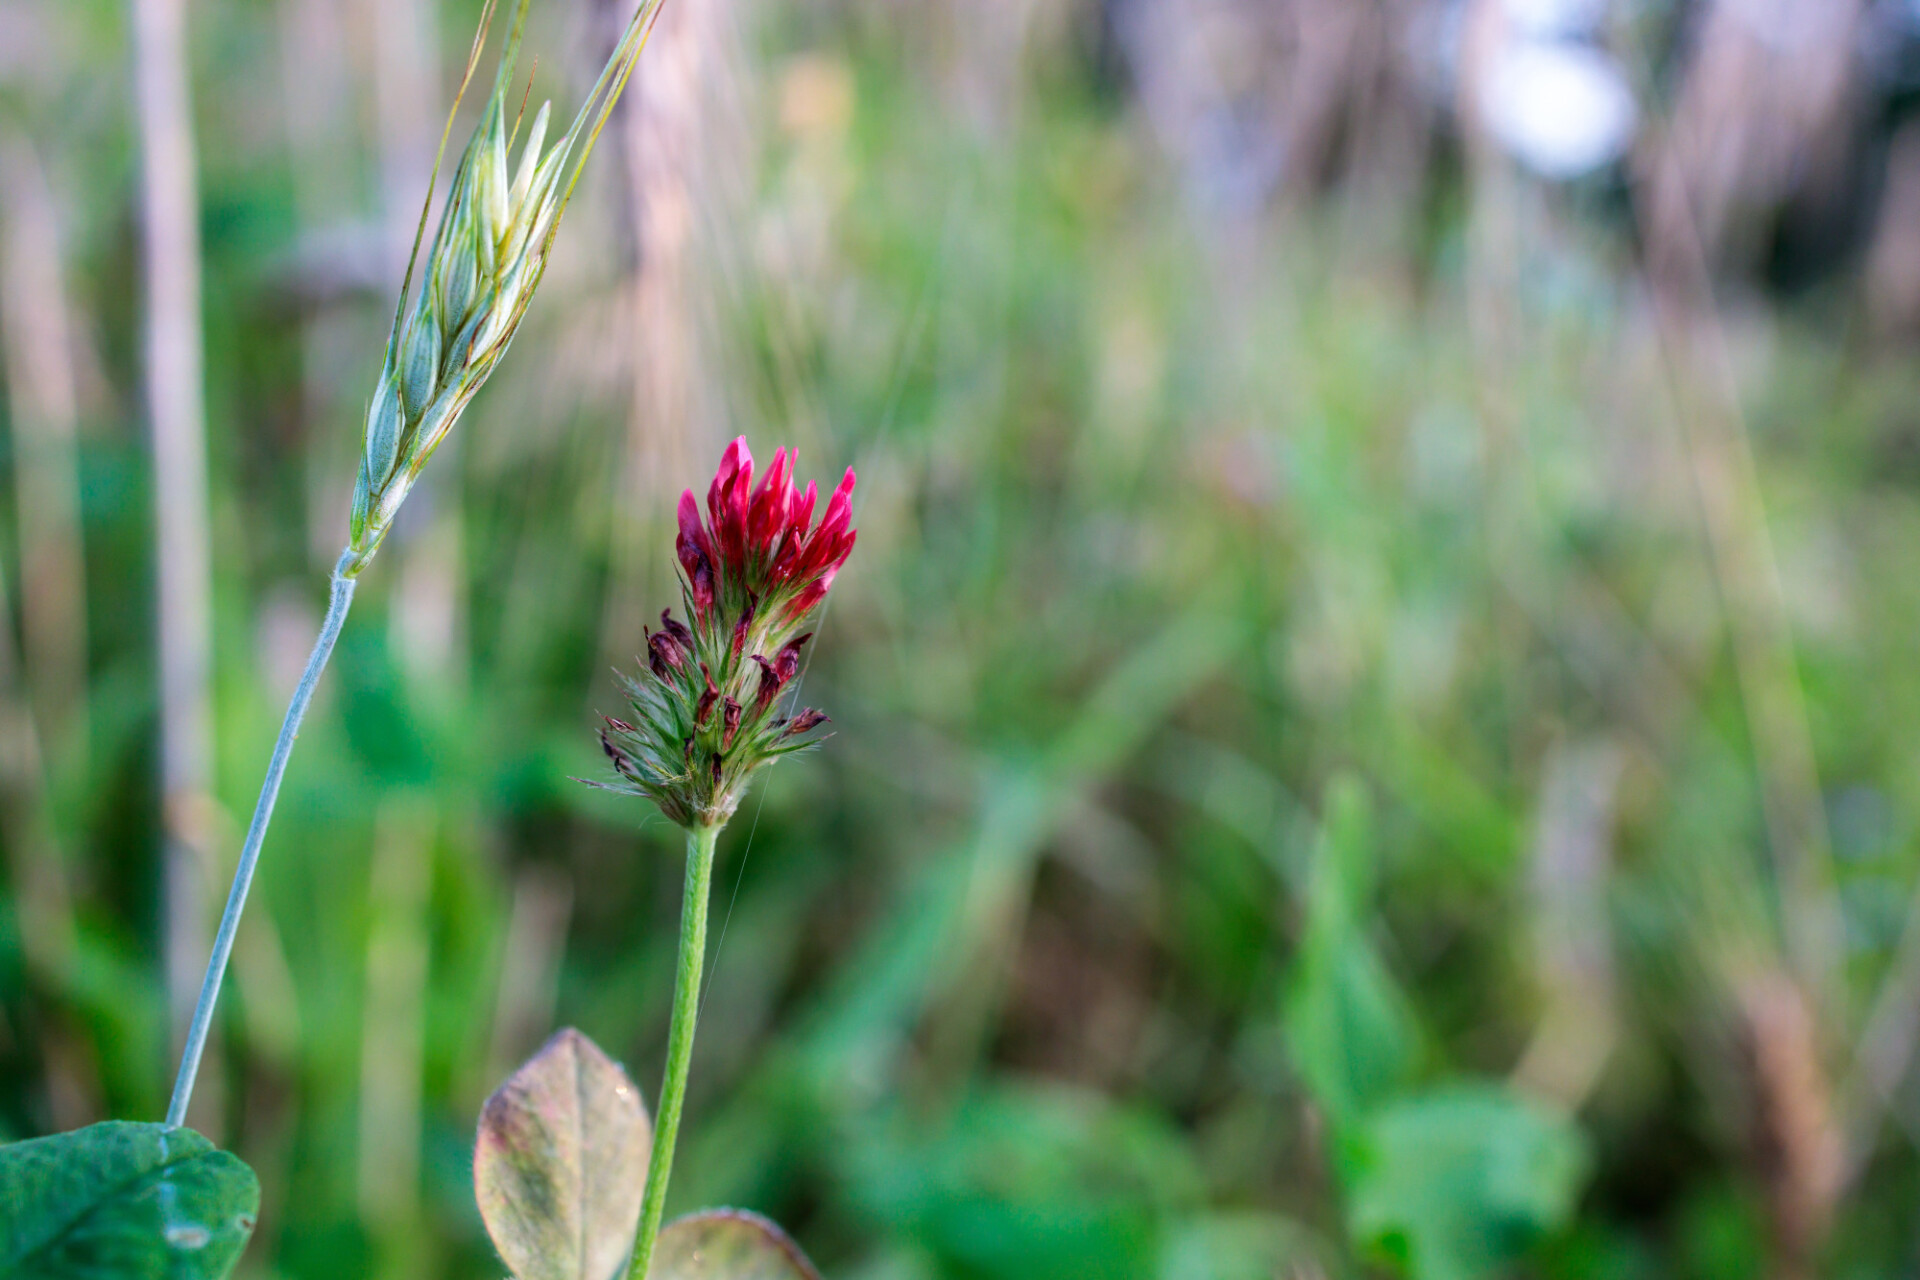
x=486, y=259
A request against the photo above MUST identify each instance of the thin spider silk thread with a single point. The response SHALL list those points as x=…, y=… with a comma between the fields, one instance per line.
x=917, y=331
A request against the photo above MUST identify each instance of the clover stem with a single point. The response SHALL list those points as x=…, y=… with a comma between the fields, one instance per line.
x=686, y=1009
x=337, y=606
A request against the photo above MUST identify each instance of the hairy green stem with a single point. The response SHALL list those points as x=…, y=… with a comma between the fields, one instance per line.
x=337, y=606
x=686, y=1009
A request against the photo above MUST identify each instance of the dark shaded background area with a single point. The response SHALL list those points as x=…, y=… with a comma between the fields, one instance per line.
x=1374, y=703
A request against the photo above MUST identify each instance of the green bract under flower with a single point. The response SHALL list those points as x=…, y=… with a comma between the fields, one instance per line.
x=710, y=707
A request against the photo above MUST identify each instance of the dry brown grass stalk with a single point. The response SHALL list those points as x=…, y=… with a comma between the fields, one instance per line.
x=1798, y=1142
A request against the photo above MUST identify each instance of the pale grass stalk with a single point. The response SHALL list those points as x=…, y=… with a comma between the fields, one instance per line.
x=41, y=381
x=43, y=398
x=176, y=411
x=35, y=864
x=41, y=385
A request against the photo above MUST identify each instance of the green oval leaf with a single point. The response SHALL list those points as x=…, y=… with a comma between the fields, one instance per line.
x=727, y=1244
x=120, y=1201
x=561, y=1161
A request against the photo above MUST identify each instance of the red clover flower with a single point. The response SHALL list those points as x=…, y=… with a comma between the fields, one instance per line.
x=707, y=708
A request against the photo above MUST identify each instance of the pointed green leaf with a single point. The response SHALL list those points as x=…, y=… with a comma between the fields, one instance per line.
x=561, y=1161
x=1350, y=1032
x=123, y=1201
x=727, y=1244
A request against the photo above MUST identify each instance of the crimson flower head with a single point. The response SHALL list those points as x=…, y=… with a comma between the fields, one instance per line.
x=755, y=550
x=708, y=707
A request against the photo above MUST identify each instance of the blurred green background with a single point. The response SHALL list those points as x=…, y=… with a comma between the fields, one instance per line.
x=1372, y=706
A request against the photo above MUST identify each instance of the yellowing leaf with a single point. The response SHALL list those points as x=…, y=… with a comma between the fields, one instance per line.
x=727, y=1244
x=561, y=1161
